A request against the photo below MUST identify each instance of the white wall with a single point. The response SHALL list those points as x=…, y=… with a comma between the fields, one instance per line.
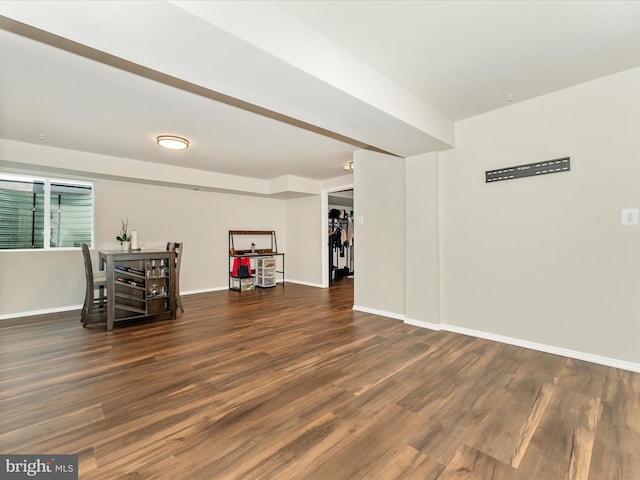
x=379, y=199
x=422, y=292
x=34, y=281
x=545, y=259
x=304, y=237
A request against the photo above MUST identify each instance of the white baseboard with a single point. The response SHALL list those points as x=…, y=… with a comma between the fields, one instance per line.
x=204, y=290
x=44, y=311
x=420, y=323
x=68, y=308
x=308, y=284
x=541, y=347
x=588, y=357
x=382, y=313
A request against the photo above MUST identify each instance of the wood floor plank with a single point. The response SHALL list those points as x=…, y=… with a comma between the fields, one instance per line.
x=354, y=455
x=571, y=418
x=406, y=463
x=617, y=437
x=471, y=464
x=506, y=433
x=292, y=383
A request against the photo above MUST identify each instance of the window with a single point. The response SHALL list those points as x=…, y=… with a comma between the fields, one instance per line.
x=42, y=213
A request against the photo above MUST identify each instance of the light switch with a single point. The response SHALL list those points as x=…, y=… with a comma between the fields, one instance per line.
x=630, y=216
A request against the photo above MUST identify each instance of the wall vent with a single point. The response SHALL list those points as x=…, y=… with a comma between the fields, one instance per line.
x=529, y=170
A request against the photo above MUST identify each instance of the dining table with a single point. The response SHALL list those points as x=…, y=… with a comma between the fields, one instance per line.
x=140, y=284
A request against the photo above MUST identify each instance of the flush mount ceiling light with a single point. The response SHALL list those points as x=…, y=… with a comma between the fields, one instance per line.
x=172, y=142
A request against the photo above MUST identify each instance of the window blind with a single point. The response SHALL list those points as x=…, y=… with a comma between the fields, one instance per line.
x=71, y=215
x=21, y=214
x=29, y=221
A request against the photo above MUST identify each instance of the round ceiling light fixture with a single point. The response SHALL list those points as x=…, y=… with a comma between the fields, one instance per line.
x=171, y=142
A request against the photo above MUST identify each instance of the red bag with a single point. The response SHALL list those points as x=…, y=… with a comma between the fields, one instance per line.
x=236, y=267
x=237, y=261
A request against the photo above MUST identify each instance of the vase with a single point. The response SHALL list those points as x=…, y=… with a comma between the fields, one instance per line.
x=125, y=245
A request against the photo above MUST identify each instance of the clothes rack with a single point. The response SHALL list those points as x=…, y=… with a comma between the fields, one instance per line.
x=341, y=244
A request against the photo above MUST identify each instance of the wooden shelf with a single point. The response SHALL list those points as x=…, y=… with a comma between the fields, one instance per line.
x=252, y=232
x=129, y=285
x=154, y=291
x=261, y=251
x=129, y=308
x=129, y=297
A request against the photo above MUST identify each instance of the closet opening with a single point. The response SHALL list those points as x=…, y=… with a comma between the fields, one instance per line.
x=341, y=239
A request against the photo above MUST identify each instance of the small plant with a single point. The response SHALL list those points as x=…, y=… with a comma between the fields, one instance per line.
x=124, y=236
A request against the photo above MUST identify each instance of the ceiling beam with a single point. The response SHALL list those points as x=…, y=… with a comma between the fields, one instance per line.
x=57, y=41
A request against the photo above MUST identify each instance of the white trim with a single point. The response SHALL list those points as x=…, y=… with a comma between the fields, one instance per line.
x=324, y=214
x=47, y=181
x=324, y=241
x=47, y=214
x=69, y=308
x=421, y=324
x=382, y=313
x=44, y=311
x=564, y=352
x=35, y=250
x=204, y=290
x=308, y=284
x=541, y=347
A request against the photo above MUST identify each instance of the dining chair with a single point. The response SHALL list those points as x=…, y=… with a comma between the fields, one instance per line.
x=93, y=281
x=177, y=248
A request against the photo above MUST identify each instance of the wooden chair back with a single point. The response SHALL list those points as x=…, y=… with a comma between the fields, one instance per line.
x=177, y=248
x=91, y=285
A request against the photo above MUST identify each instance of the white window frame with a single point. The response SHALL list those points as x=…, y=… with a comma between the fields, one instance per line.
x=47, y=208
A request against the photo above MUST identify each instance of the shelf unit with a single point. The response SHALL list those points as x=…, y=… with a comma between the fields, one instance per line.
x=139, y=285
x=265, y=272
x=266, y=262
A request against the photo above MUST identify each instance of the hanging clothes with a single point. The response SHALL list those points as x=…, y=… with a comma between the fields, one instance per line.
x=336, y=237
x=237, y=263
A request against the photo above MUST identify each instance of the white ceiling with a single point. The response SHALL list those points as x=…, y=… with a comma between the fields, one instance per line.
x=464, y=57
x=390, y=75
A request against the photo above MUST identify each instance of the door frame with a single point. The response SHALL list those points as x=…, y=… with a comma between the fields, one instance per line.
x=325, y=234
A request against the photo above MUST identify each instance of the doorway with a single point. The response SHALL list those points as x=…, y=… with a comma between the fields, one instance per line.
x=341, y=238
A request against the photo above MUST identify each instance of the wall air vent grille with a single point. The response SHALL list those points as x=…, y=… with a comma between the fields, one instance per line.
x=529, y=170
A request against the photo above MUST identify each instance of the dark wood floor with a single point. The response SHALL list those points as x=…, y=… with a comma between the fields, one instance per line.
x=291, y=383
